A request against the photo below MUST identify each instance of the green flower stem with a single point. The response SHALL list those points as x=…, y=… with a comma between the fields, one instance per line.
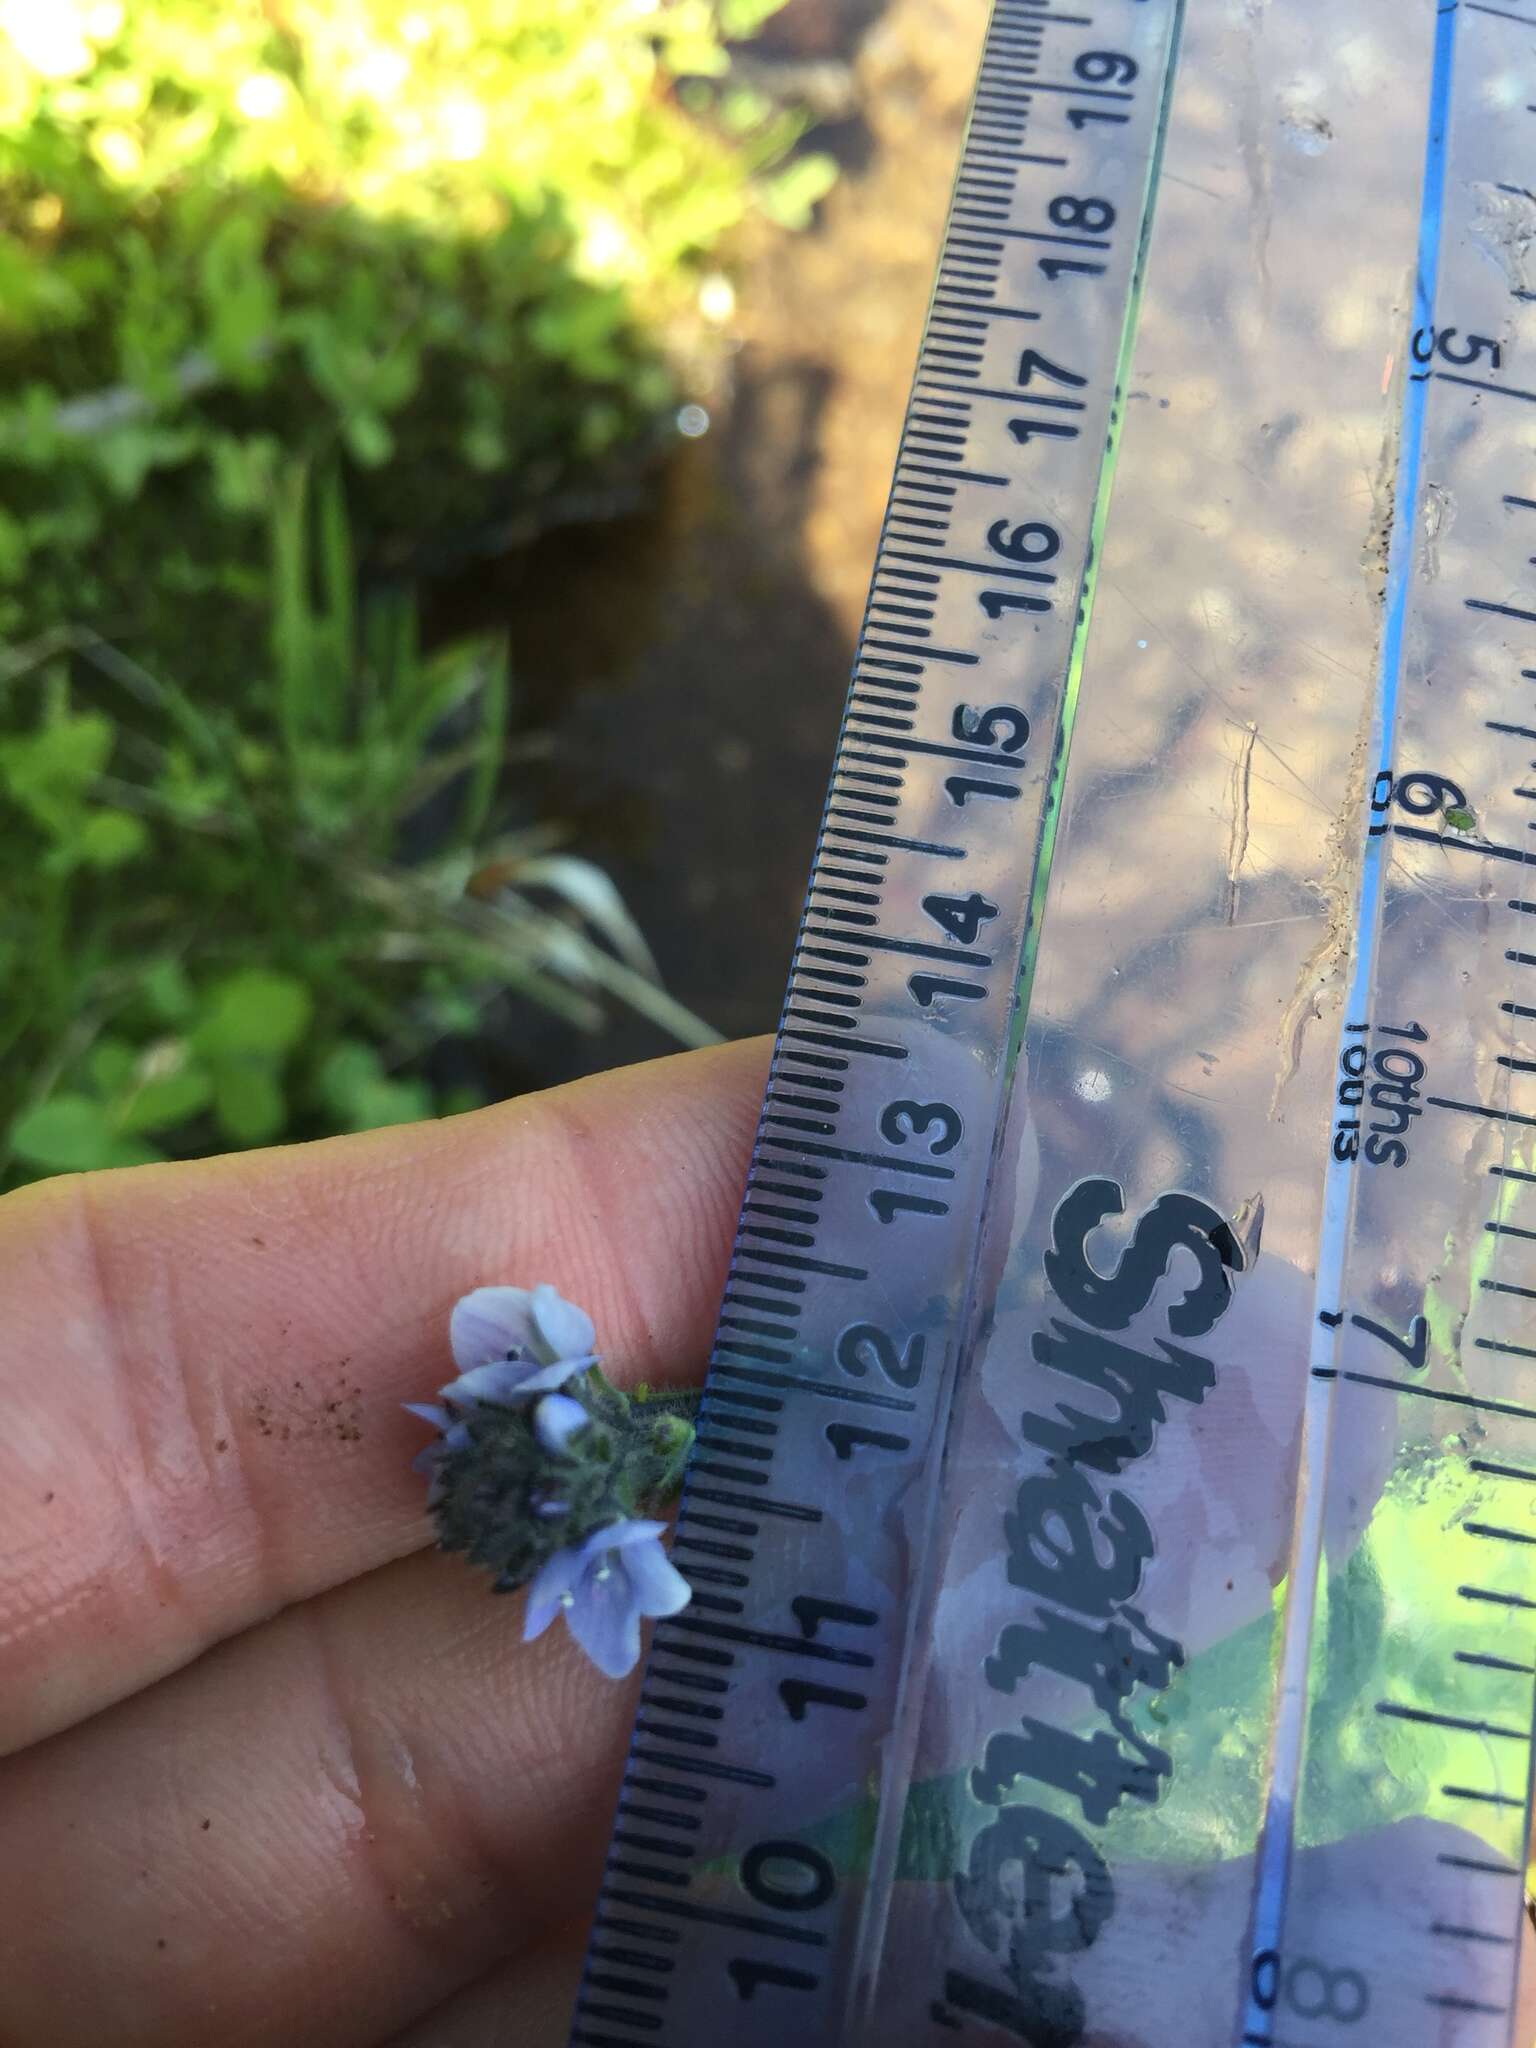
x=660, y=1429
x=680, y=1401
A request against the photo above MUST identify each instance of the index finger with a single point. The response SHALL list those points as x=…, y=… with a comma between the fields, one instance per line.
x=201, y=1365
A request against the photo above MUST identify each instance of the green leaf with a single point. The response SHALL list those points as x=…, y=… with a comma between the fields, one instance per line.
x=368, y=439
x=337, y=620
x=742, y=18
x=72, y=1134
x=238, y=296
x=248, y=1102
x=223, y=256
x=48, y=772
x=111, y=1064
x=255, y=1011
x=162, y=1102
x=110, y=839
x=460, y=1101
x=292, y=626
x=242, y=471
x=353, y=1085
x=314, y=642
x=165, y=987
x=126, y=455
x=491, y=744
x=15, y=548
x=791, y=197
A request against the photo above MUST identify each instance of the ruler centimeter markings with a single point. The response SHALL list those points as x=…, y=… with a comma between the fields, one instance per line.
x=816, y=1834
x=914, y=920
x=887, y=1074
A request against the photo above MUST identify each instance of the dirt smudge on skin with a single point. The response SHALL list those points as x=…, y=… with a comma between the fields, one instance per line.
x=294, y=1414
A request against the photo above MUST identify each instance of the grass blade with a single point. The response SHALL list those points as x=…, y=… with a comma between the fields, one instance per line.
x=491, y=741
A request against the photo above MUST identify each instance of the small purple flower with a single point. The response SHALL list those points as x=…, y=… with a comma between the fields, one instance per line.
x=556, y=1420
x=512, y=1341
x=603, y=1586
x=509, y=1343
x=542, y=1487
x=453, y=1437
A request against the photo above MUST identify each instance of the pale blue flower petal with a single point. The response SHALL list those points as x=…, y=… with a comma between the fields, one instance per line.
x=453, y=1438
x=606, y=1623
x=429, y=1411
x=556, y=1420
x=433, y=1460
x=604, y=1586
x=537, y=1617
x=503, y=1380
x=657, y=1587
x=549, y=1377
x=489, y=1323
x=561, y=1329
x=619, y=1535
x=556, y=1577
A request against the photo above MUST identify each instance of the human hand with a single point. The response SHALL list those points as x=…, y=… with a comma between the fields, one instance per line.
x=272, y=1769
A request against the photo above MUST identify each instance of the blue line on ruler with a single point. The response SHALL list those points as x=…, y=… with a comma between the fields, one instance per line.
x=1272, y=1877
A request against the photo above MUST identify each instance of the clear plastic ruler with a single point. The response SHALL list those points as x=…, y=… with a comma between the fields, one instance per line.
x=1113, y=1522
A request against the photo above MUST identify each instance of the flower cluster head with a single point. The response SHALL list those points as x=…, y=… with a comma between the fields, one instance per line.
x=540, y=1466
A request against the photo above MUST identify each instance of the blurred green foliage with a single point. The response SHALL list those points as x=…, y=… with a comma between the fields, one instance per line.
x=211, y=934
x=438, y=240
x=447, y=257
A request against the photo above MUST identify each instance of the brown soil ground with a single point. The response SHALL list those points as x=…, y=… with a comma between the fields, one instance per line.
x=690, y=662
